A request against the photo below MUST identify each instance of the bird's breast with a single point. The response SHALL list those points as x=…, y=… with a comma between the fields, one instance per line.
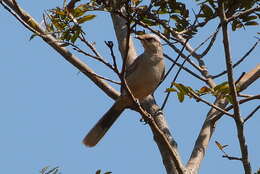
x=144, y=80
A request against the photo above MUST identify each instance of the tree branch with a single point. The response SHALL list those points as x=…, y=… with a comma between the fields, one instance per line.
x=213, y=115
x=252, y=113
x=239, y=61
x=26, y=18
x=233, y=91
x=149, y=103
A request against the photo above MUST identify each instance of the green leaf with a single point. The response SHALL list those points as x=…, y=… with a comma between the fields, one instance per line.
x=251, y=23
x=98, y=171
x=183, y=89
x=80, y=10
x=108, y=173
x=170, y=90
x=248, y=18
x=75, y=36
x=219, y=145
x=180, y=96
x=148, y=21
x=57, y=24
x=221, y=86
x=230, y=99
x=207, y=11
x=236, y=25
x=66, y=35
x=204, y=90
x=86, y=18
x=32, y=36
x=59, y=12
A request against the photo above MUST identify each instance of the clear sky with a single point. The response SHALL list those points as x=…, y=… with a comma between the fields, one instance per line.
x=47, y=107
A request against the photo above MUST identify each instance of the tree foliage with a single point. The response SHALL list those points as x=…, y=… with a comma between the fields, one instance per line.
x=176, y=23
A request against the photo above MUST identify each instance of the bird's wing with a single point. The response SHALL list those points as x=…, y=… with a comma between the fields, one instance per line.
x=133, y=66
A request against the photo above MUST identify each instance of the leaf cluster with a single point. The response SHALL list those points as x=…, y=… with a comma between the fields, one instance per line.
x=222, y=90
x=65, y=24
x=210, y=10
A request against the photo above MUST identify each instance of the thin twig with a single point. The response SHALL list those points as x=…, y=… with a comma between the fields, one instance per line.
x=180, y=68
x=210, y=104
x=185, y=68
x=232, y=157
x=76, y=48
x=93, y=49
x=213, y=39
x=244, y=95
x=252, y=113
x=239, y=61
x=110, y=46
x=242, y=101
x=240, y=77
x=26, y=18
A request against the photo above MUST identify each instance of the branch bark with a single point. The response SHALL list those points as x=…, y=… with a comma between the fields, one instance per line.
x=209, y=124
x=233, y=91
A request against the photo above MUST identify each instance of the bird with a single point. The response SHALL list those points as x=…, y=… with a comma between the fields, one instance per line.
x=142, y=77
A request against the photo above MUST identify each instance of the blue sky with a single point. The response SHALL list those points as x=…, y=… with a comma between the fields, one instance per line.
x=47, y=107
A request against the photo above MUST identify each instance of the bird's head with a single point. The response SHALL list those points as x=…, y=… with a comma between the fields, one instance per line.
x=150, y=42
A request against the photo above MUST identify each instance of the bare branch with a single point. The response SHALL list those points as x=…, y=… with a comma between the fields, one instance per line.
x=185, y=69
x=78, y=49
x=110, y=45
x=252, y=113
x=210, y=104
x=239, y=61
x=107, y=79
x=212, y=41
x=91, y=46
x=232, y=157
x=233, y=91
x=213, y=115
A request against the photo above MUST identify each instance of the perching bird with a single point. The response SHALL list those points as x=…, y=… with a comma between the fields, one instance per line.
x=142, y=77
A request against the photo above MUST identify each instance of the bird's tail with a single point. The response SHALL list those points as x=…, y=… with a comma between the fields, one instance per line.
x=103, y=125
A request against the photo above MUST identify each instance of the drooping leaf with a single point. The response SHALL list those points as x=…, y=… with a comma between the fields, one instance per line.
x=98, y=171
x=86, y=18
x=32, y=36
x=208, y=12
x=219, y=145
x=170, y=90
x=248, y=18
x=251, y=23
x=204, y=90
x=180, y=96
x=230, y=99
x=80, y=10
